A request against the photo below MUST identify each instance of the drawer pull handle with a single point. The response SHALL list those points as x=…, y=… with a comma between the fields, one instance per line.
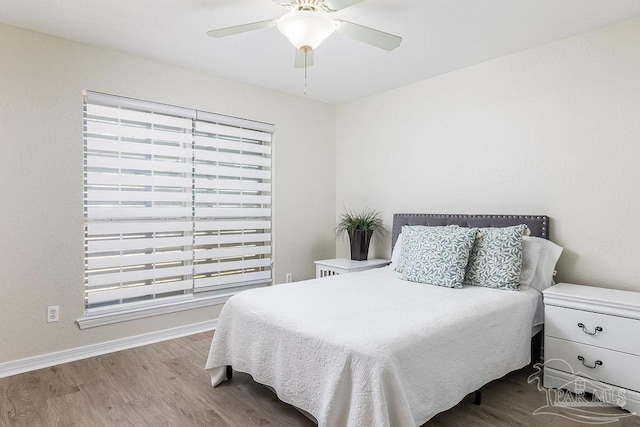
x=598, y=363
x=584, y=329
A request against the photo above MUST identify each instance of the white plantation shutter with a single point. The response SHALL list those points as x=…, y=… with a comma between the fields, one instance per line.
x=173, y=205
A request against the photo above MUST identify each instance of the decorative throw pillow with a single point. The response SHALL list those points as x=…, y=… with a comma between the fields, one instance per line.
x=436, y=255
x=496, y=258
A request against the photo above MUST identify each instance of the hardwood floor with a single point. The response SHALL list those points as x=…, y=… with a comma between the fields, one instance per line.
x=165, y=385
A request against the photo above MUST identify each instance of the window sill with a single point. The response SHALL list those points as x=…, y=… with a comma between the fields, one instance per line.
x=140, y=313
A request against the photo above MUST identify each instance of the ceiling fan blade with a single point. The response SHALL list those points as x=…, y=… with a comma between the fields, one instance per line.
x=336, y=5
x=299, y=63
x=284, y=3
x=368, y=35
x=223, y=32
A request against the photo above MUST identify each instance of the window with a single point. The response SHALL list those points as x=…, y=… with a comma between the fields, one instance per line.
x=177, y=204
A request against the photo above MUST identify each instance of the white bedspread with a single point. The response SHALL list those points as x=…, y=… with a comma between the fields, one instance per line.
x=368, y=349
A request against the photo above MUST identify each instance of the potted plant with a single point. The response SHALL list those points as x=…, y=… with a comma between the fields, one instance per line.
x=360, y=226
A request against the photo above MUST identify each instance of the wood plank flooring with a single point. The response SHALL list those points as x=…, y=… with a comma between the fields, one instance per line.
x=165, y=384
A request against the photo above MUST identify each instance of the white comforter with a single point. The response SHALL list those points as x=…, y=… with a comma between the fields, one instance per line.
x=368, y=349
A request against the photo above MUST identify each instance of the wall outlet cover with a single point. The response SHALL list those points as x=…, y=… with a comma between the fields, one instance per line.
x=53, y=313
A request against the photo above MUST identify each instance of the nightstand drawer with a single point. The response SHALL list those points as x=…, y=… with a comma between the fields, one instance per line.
x=601, y=364
x=595, y=329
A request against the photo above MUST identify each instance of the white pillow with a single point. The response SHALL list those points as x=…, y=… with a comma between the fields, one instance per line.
x=543, y=277
x=395, y=253
x=531, y=250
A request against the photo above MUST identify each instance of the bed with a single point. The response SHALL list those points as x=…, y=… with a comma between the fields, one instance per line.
x=370, y=349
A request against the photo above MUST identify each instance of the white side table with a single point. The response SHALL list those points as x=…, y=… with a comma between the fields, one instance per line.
x=331, y=267
x=592, y=342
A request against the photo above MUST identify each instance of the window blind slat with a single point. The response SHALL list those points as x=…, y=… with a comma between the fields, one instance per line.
x=140, y=243
x=141, y=212
x=232, y=131
x=131, y=260
x=230, y=252
x=232, y=212
x=240, y=159
x=217, y=267
x=132, y=276
x=235, y=172
x=139, y=116
x=232, y=278
x=109, y=145
x=232, y=225
x=121, y=102
x=232, y=239
x=97, y=178
x=137, y=132
x=207, y=117
x=211, y=184
x=141, y=165
x=138, y=291
x=103, y=227
x=215, y=142
x=232, y=198
x=138, y=196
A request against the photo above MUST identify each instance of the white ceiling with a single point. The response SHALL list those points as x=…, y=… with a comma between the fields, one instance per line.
x=438, y=36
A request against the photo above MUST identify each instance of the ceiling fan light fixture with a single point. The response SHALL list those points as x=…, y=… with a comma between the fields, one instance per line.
x=305, y=28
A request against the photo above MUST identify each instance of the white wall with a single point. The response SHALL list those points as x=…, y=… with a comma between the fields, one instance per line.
x=553, y=130
x=41, y=225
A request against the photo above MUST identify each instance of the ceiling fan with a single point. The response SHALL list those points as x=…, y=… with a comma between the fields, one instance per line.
x=308, y=24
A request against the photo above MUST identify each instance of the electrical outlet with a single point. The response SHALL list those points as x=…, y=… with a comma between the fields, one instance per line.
x=53, y=313
x=288, y=278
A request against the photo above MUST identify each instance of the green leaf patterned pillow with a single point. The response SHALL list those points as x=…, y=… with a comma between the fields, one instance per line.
x=436, y=255
x=496, y=258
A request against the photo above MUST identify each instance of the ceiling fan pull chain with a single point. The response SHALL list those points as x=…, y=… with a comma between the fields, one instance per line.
x=306, y=52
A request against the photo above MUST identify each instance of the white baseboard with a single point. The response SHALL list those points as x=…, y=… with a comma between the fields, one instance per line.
x=51, y=359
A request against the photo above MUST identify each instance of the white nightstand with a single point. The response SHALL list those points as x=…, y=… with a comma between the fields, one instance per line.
x=331, y=267
x=592, y=342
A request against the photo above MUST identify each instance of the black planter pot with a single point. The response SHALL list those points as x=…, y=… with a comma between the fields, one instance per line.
x=360, y=240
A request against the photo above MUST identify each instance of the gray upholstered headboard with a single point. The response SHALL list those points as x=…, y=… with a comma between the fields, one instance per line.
x=538, y=224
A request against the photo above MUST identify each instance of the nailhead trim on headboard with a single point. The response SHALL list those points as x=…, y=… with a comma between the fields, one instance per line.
x=538, y=224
